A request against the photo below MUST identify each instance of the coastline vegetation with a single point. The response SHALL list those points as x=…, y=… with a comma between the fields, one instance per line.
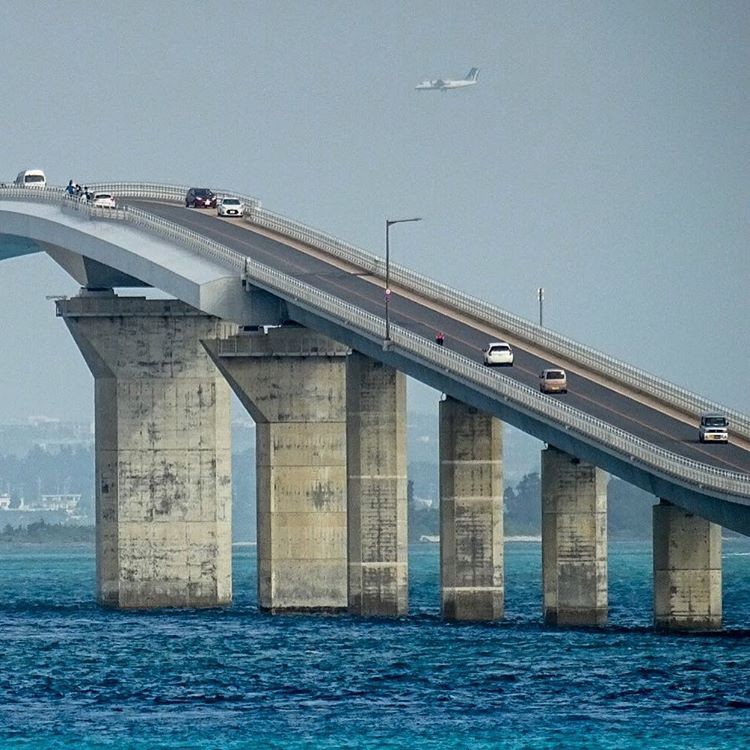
x=41, y=532
x=629, y=517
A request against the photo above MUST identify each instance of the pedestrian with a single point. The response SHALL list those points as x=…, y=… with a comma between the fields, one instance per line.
x=440, y=338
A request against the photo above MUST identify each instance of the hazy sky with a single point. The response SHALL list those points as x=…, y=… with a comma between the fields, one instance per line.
x=603, y=155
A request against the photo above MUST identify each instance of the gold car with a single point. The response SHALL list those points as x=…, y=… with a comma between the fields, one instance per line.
x=553, y=380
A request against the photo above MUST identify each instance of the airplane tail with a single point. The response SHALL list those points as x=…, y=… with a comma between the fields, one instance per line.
x=472, y=75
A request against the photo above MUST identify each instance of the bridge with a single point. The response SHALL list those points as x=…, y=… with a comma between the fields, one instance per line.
x=291, y=319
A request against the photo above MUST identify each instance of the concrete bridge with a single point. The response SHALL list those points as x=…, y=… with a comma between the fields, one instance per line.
x=291, y=320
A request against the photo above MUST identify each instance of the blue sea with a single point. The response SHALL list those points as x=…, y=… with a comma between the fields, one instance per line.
x=73, y=675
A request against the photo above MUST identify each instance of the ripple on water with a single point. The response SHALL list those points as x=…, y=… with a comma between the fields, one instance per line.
x=77, y=676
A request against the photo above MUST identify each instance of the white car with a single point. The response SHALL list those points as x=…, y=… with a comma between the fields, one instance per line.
x=230, y=207
x=104, y=200
x=498, y=353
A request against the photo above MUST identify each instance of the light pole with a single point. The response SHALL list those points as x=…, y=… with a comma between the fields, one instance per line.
x=540, y=293
x=388, y=224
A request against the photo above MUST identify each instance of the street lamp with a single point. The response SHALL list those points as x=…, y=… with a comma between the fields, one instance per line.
x=388, y=224
x=540, y=295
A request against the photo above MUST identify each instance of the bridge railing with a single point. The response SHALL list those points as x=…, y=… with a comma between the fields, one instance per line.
x=166, y=193
x=496, y=385
x=555, y=344
x=519, y=396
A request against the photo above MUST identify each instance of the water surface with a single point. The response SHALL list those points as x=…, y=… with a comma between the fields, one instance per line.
x=74, y=675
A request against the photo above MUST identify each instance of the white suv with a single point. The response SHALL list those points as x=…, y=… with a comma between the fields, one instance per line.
x=713, y=428
x=498, y=353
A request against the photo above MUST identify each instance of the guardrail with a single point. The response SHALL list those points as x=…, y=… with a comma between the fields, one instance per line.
x=521, y=397
x=465, y=370
x=556, y=344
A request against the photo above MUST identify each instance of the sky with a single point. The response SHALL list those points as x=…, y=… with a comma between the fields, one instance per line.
x=603, y=156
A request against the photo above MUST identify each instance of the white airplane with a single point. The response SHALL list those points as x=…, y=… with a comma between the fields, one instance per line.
x=441, y=85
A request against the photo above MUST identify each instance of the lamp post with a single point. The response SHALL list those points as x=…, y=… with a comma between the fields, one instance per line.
x=388, y=224
x=540, y=294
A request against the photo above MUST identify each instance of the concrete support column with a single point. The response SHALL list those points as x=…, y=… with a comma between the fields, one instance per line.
x=292, y=381
x=163, y=452
x=377, y=504
x=687, y=570
x=471, y=513
x=574, y=540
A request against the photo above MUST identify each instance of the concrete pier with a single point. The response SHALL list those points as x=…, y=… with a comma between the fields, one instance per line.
x=163, y=451
x=687, y=570
x=574, y=540
x=292, y=381
x=471, y=513
x=377, y=502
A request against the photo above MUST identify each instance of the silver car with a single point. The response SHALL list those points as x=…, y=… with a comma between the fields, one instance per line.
x=553, y=380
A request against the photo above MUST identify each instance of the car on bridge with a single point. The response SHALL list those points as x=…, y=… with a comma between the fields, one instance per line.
x=553, y=380
x=104, y=200
x=31, y=178
x=713, y=428
x=230, y=207
x=200, y=198
x=498, y=353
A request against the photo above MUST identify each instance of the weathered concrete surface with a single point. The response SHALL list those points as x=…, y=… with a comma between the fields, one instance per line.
x=471, y=513
x=377, y=501
x=687, y=570
x=292, y=381
x=574, y=540
x=163, y=452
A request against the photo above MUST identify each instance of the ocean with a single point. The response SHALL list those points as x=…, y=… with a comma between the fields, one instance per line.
x=73, y=675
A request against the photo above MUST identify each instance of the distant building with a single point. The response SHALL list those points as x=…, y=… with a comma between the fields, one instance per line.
x=63, y=509
x=68, y=503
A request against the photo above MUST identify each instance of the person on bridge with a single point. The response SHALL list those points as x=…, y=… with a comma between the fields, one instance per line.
x=440, y=338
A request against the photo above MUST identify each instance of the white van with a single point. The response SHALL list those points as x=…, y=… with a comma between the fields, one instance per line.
x=31, y=178
x=713, y=428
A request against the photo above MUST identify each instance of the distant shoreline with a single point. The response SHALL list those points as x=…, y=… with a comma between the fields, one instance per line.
x=58, y=534
x=521, y=538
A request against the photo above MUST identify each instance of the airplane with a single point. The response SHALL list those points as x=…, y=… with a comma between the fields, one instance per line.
x=441, y=85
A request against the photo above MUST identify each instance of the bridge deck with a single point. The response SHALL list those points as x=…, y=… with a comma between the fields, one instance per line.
x=584, y=392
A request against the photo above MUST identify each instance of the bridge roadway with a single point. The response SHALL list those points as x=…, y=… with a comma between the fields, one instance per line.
x=584, y=393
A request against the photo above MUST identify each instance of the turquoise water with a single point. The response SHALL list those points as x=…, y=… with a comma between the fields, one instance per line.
x=73, y=675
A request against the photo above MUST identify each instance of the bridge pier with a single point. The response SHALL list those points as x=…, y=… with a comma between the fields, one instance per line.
x=687, y=570
x=163, y=451
x=574, y=540
x=471, y=513
x=292, y=381
x=377, y=497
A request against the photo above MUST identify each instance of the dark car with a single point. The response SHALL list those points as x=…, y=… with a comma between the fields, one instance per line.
x=200, y=198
